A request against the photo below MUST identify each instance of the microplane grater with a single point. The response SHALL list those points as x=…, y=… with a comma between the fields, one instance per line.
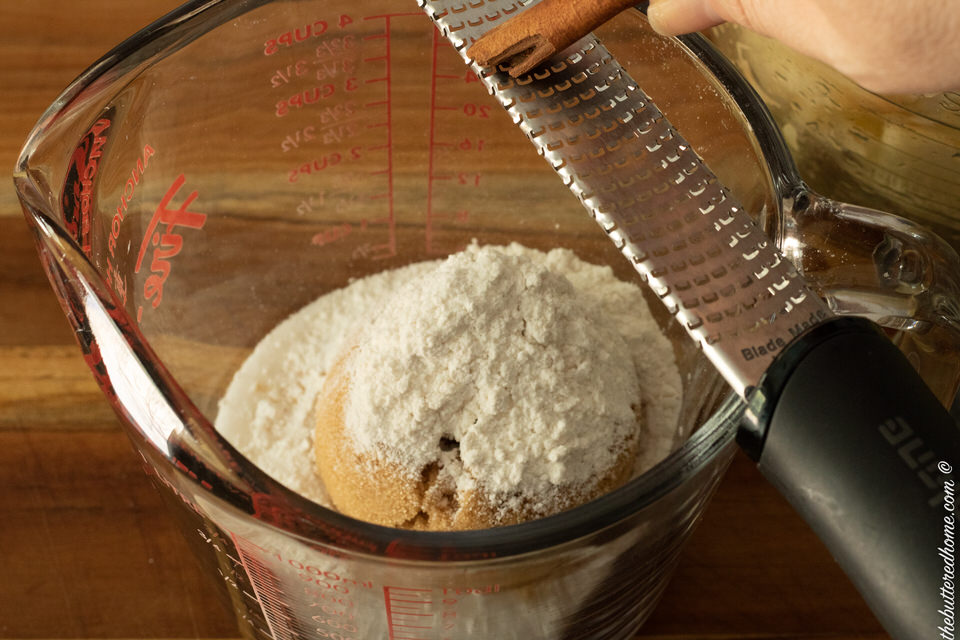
x=684, y=233
x=859, y=462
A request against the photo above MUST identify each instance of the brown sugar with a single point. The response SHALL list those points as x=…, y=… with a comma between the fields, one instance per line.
x=370, y=488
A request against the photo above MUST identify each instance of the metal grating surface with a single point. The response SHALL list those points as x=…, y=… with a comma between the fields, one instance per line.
x=687, y=237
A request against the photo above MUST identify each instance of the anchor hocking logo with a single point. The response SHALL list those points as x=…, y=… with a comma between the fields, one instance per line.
x=81, y=178
x=163, y=238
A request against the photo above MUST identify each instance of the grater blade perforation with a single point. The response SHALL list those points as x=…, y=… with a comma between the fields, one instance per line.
x=650, y=192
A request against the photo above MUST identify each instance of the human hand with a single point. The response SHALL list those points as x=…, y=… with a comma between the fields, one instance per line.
x=907, y=46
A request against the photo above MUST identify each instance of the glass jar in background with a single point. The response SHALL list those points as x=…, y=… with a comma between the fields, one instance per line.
x=895, y=153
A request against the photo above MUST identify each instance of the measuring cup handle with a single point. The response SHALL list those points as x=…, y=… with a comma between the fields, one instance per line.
x=847, y=431
x=883, y=267
x=823, y=237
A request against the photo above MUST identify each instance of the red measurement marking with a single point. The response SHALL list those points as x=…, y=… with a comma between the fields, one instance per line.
x=387, y=16
x=333, y=50
x=399, y=626
x=456, y=216
x=469, y=179
x=290, y=38
x=439, y=80
x=391, y=243
x=412, y=601
x=289, y=73
x=478, y=110
x=322, y=163
x=432, y=145
x=264, y=584
x=304, y=98
x=329, y=236
x=389, y=248
x=293, y=141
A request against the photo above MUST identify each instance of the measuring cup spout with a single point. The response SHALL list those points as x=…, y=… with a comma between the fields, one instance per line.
x=157, y=416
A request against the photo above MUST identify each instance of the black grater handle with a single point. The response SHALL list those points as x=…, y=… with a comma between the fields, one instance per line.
x=846, y=430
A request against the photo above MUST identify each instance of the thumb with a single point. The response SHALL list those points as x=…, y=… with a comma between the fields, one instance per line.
x=888, y=47
x=807, y=23
x=673, y=17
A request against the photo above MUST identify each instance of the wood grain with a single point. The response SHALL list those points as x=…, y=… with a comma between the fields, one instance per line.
x=88, y=551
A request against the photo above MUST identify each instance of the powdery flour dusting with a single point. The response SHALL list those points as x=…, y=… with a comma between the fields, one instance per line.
x=534, y=363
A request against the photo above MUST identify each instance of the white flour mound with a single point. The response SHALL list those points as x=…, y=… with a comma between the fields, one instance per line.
x=497, y=355
x=452, y=344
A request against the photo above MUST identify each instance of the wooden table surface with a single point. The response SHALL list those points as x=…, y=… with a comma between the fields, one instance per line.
x=86, y=549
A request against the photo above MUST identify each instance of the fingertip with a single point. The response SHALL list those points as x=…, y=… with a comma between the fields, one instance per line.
x=674, y=17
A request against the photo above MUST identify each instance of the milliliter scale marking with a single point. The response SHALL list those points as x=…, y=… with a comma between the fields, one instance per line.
x=409, y=612
x=455, y=145
x=266, y=587
x=389, y=248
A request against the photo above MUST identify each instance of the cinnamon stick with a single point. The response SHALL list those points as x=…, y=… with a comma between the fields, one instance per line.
x=529, y=38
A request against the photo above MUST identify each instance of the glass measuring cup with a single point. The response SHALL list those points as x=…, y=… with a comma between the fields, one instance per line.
x=236, y=160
